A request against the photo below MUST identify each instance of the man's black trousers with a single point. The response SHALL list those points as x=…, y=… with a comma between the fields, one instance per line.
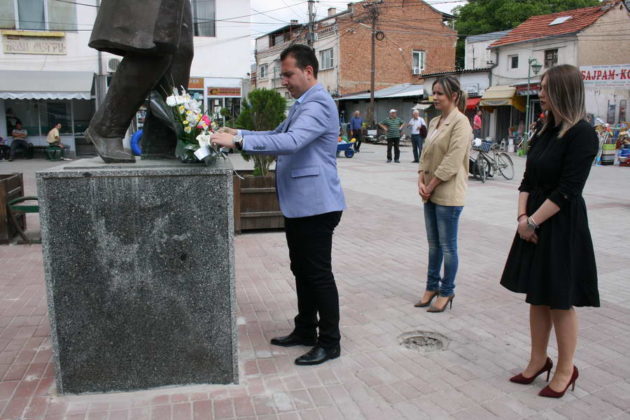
x=310, y=248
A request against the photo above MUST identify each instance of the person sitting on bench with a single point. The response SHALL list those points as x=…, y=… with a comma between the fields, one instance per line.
x=19, y=135
x=55, y=141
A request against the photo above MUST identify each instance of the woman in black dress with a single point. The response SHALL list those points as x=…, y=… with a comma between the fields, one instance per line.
x=552, y=259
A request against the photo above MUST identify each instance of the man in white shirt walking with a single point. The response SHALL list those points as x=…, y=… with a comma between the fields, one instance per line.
x=417, y=133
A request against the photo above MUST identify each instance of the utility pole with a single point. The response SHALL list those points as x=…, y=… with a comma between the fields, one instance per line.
x=310, y=37
x=373, y=13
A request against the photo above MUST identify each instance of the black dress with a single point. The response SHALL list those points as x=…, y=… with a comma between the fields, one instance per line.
x=560, y=270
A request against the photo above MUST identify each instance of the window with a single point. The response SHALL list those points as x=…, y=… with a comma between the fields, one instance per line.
x=276, y=69
x=262, y=73
x=551, y=58
x=513, y=61
x=31, y=14
x=419, y=60
x=204, y=12
x=326, y=59
x=38, y=15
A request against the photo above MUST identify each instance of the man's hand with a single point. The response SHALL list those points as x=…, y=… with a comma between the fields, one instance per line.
x=222, y=139
x=228, y=130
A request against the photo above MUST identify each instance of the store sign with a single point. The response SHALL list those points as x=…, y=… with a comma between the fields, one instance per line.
x=617, y=75
x=195, y=83
x=224, y=91
x=33, y=45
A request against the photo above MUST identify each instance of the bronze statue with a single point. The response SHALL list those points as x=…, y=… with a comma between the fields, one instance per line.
x=155, y=39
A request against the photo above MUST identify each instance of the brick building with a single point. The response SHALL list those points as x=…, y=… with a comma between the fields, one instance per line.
x=412, y=38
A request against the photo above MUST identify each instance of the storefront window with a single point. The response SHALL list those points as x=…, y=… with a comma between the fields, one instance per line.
x=54, y=112
x=83, y=112
x=233, y=105
x=38, y=117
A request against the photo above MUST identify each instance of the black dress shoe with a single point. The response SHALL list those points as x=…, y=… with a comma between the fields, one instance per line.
x=292, y=340
x=318, y=355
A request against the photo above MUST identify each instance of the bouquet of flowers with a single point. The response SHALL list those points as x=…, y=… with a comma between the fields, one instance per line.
x=193, y=128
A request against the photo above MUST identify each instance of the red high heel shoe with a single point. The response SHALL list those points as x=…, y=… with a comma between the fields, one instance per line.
x=550, y=393
x=520, y=379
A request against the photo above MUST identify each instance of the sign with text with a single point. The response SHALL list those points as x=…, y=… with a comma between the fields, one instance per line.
x=617, y=75
x=33, y=45
x=195, y=83
x=224, y=91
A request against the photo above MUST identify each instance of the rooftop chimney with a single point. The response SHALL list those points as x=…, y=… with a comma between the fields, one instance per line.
x=332, y=11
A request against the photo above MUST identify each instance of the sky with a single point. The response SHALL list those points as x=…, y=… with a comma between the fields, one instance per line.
x=268, y=15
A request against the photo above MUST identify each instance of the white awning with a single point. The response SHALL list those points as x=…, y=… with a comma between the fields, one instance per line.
x=16, y=84
x=404, y=90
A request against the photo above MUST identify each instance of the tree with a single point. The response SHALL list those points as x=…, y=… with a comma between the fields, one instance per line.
x=483, y=16
x=263, y=110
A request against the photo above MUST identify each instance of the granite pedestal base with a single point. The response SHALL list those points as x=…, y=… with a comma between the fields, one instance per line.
x=139, y=265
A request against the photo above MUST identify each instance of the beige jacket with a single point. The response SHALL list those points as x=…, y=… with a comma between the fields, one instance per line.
x=445, y=156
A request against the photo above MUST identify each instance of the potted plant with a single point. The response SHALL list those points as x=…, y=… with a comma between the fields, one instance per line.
x=255, y=201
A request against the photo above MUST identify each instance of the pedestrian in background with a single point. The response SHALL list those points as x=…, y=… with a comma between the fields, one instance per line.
x=392, y=126
x=55, y=141
x=442, y=184
x=477, y=124
x=552, y=259
x=356, y=129
x=417, y=138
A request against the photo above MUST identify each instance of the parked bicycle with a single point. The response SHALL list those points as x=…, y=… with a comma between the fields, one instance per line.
x=492, y=160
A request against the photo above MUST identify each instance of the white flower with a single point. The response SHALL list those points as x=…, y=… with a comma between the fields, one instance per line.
x=187, y=130
x=171, y=101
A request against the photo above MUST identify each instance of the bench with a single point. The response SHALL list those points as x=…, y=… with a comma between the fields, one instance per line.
x=17, y=207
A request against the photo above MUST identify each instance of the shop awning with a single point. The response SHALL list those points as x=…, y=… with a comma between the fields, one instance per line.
x=404, y=90
x=46, y=84
x=502, y=96
x=472, y=103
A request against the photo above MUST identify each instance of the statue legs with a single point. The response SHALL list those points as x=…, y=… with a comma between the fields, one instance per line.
x=158, y=140
x=135, y=77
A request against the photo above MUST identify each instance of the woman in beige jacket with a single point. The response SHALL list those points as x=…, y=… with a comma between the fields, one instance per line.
x=442, y=184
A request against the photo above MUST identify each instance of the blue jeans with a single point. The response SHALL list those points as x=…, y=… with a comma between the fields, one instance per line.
x=416, y=146
x=441, y=223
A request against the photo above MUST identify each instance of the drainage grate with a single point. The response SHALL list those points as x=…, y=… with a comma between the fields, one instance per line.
x=423, y=341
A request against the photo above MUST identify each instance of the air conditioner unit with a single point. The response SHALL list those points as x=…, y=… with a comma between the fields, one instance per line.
x=416, y=70
x=112, y=64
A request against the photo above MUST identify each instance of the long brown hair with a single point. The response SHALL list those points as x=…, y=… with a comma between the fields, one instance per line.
x=451, y=87
x=565, y=96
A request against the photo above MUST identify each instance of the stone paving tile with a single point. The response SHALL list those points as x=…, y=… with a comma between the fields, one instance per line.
x=379, y=257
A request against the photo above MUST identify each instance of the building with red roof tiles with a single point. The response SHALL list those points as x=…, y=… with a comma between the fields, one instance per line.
x=595, y=39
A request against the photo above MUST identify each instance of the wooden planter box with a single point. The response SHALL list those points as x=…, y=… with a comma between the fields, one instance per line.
x=256, y=204
x=11, y=186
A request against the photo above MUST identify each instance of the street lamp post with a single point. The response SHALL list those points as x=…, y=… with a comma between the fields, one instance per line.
x=532, y=64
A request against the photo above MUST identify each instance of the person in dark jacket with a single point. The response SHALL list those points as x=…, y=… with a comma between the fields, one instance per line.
x=552, y=259
x=155, y=38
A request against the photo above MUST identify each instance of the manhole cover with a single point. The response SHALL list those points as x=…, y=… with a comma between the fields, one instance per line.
x=423, y=341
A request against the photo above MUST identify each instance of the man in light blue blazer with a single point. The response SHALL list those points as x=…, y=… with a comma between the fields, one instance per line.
x=310, y=198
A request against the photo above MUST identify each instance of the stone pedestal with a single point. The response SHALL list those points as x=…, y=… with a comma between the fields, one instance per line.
x=139, y=265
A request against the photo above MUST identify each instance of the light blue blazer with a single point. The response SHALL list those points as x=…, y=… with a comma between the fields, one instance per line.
x=306, y=145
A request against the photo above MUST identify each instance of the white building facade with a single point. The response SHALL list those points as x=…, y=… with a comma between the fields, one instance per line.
x=48, y=73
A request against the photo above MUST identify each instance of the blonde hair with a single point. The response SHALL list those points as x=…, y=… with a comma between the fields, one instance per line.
x=565, y=96
x=451, y=87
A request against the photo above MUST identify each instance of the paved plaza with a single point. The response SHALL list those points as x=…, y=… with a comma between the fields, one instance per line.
x=379, y=259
